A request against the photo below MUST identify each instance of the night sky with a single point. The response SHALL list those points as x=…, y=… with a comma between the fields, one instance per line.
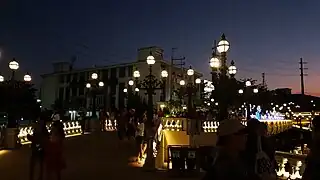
x=266, y=36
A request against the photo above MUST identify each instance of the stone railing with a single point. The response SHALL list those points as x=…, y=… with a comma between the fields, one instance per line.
x=110, y=125
x=70, y=128
x=174, y=124
x=291, y=166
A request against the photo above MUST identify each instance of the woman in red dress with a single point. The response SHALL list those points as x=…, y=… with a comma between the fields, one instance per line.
x=54, y=159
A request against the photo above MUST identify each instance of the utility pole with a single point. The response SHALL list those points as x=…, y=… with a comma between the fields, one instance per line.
x=302, y=68
x=263, y=80
x=180, y=63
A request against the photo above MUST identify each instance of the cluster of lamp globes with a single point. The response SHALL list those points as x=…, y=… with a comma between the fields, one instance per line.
x=248, y=84
x=94, y=76
x=14, y=65
x=223, y=47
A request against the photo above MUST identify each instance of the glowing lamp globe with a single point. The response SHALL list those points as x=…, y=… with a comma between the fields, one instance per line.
x=136, y=89
x=198, y=81
x=136, y=74
x=131, y=83
x=101, y=84
x=13, y=65
x=190, y=71
x=248, y=83
x=125, y=90
x=27, y=78
x=255, y=90
x=182, y=83
x=223, y=45
x=164, y=73
x=88, y=85
x=150, y=60
x=232, y=70
x=1, y=78
x=214, y=62
x=240, y=91
x=94, y=76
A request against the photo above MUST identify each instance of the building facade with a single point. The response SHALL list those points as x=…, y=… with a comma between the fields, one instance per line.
x=67, y=86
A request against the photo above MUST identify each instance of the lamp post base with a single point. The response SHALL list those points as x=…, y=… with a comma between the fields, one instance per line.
x=11, y=140
x=94, y=124
x=150, y=162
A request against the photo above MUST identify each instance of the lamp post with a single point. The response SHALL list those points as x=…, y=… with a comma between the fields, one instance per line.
x=220, y=71
x=247, y=94
x=93, y=87
x=190, y=90
x=150, y=83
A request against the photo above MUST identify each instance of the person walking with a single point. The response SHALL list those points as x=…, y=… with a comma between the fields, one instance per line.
x=227, y=163
x=54, y=159
x=38, y=140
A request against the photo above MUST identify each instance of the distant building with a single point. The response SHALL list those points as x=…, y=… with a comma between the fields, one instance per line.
x=283, y=91
x=67, y=85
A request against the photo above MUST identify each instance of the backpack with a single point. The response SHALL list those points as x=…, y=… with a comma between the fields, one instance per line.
x=263, y=166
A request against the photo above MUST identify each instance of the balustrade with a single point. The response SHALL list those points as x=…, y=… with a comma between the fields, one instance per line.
x=70, y=128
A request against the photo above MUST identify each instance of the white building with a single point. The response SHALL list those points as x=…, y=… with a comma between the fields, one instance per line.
x=68, y=85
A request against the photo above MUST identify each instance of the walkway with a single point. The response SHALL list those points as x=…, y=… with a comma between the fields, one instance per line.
x=88, y=157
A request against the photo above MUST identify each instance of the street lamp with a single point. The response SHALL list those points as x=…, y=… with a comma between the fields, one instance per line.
x=223, y=45
x=219, y=71
x=131, y=82
x=190, y=71
x=255, y=90
x=13, y=65
x=232, y=69
x=1, y=78
x=93, y=86
x=27, y=78
x=182, y=82
x=198, y=81
x=248, y=83
x=150, y=83
x=214, y=62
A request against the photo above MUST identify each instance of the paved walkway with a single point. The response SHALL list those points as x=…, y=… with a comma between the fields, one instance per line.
x=88, y=157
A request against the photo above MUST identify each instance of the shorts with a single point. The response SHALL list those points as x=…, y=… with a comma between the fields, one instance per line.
x=140, y=140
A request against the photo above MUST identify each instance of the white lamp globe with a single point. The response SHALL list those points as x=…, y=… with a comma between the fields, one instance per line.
x=240, y=91
x=248, y=83
x=198, y=81
x=131, y=83
x=164, y=73
x=214, y=62
x=27, y=78
x=136, y=89
x=150, y=60
x=101, y=84
x=223, y=45
x=88, y=85
x=94, y=76
x=255, y=90
x=13, y=65
x=190, y=71
x=136, y=74
x=1, y=78
x=125, y=90
x=182, y=83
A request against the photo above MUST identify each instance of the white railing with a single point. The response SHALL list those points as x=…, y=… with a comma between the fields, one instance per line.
x=70, y=128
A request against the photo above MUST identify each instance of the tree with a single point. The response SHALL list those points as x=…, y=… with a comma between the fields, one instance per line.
x=19, y=101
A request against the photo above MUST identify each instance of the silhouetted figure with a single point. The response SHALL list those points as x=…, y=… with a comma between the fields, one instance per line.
x=313, y=159
x=54, y=158
x=38, y=140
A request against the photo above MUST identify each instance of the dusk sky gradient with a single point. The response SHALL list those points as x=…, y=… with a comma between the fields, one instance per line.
x=266, y=36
